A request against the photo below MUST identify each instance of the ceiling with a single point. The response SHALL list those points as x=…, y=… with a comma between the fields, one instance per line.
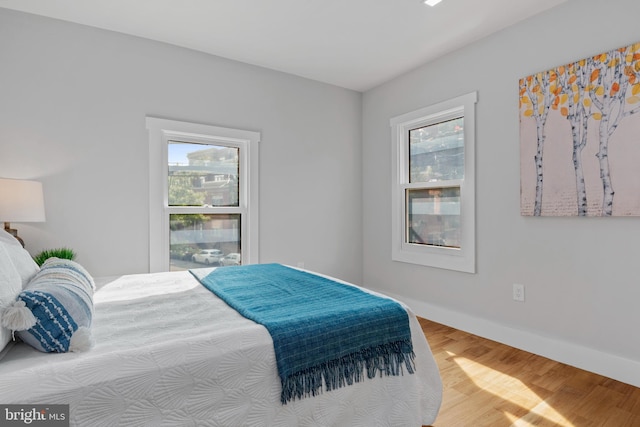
x=355, y=44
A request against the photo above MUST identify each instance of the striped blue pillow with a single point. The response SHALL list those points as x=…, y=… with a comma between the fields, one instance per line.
x=60, y=297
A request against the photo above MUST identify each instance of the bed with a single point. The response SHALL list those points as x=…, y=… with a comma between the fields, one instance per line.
x=170, y=352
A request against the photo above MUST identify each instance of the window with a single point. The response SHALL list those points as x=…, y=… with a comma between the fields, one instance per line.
x=433, y=216
x=203, y=195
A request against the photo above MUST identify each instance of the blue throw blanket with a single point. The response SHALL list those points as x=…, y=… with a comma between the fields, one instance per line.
x=323, y=331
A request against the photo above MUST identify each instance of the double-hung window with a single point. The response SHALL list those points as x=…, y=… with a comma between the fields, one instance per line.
x=433, y=192
x=203, y=195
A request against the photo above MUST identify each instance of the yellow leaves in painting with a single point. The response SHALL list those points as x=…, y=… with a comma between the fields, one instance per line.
x=630, y=73
x=633, y=99
x=587, y=83
x=631, y=57
x=524, y=99
x=601, y=58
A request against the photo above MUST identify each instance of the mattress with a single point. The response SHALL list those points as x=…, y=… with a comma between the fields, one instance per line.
x=168, y=352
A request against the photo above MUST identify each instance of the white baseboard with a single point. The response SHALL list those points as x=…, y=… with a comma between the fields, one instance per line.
x=606, y=364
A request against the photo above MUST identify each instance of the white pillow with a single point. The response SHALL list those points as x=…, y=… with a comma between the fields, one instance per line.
x=53, y=313
x=22, y=261
x=10, y=287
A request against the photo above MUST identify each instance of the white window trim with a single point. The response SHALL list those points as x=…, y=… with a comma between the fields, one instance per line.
x=463, y=259
x=161, y=131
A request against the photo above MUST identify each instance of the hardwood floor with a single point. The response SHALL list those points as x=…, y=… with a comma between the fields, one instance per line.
x=490, y=384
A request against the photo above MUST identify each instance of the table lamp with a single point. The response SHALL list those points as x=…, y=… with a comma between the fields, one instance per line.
x=20, y=201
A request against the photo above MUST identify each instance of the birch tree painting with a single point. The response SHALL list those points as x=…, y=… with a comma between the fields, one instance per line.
x=580, y=137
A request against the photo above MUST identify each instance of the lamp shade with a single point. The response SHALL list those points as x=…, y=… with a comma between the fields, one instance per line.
x=21, y=201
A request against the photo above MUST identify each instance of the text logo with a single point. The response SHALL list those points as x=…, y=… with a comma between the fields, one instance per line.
x=34, y=415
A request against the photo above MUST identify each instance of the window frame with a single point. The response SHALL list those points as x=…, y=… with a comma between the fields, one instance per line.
x=161, y=132
x=459, y=259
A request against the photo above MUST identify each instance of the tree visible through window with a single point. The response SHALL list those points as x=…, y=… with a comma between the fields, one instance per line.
x=203, y=175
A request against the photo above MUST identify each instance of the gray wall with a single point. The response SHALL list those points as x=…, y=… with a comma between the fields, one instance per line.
x=72, y=115
x=581, y=274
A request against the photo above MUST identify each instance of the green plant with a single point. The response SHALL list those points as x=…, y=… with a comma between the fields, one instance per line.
x=63, y=253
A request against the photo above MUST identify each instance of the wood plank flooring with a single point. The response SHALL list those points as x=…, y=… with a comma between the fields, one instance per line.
x=490, y=384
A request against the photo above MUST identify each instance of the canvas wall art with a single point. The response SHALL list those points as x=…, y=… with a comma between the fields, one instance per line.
x=580, y=137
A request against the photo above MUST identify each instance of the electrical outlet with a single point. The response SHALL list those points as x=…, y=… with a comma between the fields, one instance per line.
x=518, y=292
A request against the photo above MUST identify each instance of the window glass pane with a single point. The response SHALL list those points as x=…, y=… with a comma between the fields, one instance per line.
x=436, y=152
x=203, y=175
x=433, y=216
x=198, y=240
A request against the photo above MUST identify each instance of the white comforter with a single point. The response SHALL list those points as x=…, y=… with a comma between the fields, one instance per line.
x=170, y=353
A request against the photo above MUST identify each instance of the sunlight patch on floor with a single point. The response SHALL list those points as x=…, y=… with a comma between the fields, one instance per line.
x=516, y=421
x=514, y=391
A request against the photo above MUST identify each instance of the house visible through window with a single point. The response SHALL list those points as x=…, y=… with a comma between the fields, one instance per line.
x=203, y=195
x=433, y=185
x=203, y=175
